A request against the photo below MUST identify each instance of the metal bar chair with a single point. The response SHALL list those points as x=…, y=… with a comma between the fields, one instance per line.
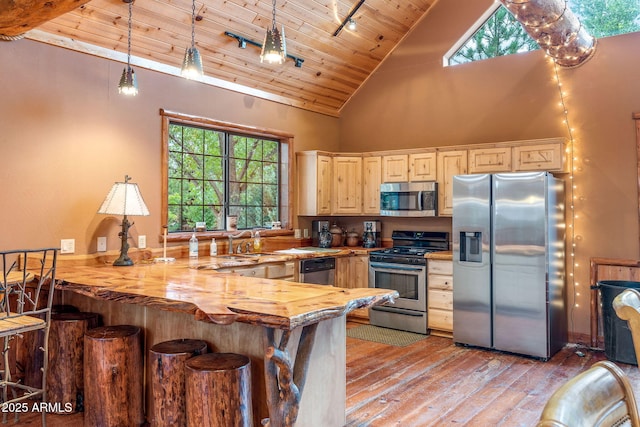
x=26, y=295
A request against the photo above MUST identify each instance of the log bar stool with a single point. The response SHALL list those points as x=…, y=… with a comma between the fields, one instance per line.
x=113, y=374
x=66, y=353
x=167, y=366
x=219, y=391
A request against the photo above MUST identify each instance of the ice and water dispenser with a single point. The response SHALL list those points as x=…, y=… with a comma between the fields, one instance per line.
x=471, y=246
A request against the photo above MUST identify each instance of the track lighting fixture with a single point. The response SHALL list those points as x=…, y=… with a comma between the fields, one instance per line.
x=243, y=41
x=349, y=21
x=128, y=84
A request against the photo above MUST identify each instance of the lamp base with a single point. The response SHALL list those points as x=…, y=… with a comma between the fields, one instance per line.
x=123, y=261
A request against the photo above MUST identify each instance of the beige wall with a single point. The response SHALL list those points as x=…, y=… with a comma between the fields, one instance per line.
x=415, y=102
x=67, y=135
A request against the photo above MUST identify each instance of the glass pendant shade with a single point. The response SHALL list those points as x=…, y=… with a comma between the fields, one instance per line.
x=192, y=64
x=128, y=82
x=274, y=49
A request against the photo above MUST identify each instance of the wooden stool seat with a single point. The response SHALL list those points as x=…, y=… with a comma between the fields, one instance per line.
x=167, y=371
x=113, y=375
x=219, y=390
x=66, y=355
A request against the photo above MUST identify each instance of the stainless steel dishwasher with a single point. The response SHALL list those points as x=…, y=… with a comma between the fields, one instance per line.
x=320, y=271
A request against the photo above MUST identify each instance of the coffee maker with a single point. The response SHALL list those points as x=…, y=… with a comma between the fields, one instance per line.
x=316, y=228
x=374, y=240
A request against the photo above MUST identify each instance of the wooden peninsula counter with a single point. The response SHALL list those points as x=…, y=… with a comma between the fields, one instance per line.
x=294, y=333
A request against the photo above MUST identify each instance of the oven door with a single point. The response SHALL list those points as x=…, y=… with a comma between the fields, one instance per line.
x=410, y=281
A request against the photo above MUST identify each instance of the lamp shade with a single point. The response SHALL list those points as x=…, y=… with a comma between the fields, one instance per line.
x=192, y=64
x=274, y=49
x=124, y=198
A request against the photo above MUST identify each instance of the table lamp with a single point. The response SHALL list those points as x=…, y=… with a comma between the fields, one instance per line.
x=124, y=198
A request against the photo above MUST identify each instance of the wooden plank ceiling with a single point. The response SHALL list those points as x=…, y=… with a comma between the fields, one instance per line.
x=333, y=69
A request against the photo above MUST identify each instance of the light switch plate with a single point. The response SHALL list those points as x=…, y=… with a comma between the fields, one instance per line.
x=142, y=241
x=102, y=244
x=67, y=246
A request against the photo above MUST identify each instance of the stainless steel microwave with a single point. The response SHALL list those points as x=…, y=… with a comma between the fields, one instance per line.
x=409, y=199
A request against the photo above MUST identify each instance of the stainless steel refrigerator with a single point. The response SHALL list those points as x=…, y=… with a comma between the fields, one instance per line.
x=509, y=262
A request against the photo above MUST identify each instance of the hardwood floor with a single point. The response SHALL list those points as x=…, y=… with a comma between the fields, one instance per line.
x=435, y=383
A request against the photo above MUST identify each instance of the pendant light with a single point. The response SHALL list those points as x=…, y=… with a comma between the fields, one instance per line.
x=192, y=63
x=128, y=83
x=274, y=50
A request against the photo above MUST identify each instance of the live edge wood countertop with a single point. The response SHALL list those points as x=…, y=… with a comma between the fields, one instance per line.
x=218, y=297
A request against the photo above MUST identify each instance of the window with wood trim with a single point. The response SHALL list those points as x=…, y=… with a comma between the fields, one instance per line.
x=212, y=170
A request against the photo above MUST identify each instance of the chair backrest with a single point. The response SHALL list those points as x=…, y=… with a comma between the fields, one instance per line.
x=627, y=307
x=27, y=282
x=599, y=396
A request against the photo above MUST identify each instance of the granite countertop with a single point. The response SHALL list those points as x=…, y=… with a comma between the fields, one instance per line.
x=195, y=287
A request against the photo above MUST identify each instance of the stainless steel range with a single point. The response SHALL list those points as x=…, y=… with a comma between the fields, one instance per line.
x=404, y=268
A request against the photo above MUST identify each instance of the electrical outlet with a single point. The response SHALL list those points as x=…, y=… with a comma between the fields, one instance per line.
x=142, y=241
x=67, y=246
x=102, y=244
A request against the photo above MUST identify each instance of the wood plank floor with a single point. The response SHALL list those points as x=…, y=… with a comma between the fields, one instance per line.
x=435, y=383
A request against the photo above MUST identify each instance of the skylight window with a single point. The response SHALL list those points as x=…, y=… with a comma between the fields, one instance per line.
x=498, y=33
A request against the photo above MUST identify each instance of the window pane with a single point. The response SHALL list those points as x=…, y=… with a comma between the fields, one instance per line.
x=254, y=195
x=270, y=151
x=193, y=140
x=270, y=173
x=213, y=142
x=213, y=168
x=237, y=194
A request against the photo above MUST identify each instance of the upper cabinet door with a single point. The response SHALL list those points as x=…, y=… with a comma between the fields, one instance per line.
x=347, y=185
x=450, y=163
x=372, y=178
x=395, y=168
x=314, y=183
x=490, y=160
x=539, y=157
x=422, y=167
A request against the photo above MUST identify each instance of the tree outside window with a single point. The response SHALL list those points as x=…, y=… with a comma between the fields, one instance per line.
x=212, y=173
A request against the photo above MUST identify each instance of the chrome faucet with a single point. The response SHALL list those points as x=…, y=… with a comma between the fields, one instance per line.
x=235, y=236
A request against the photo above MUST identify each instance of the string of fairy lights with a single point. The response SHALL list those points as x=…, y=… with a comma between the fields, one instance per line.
x=573, y=216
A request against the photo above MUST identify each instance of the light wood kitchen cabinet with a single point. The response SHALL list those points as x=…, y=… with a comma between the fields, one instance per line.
x=490, y=160
x=422, y=166
x=282, y=271
x=277, y=270
x=409, y=167
x=347, y=185
x=255, y=271
x=371, y=178
x=314, y=172
x=395, y=168
x=440, y=297
x=539, y=157
x=353, y=272
x=450, y=163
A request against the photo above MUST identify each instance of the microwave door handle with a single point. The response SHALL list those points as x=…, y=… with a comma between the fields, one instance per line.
x=420, y=204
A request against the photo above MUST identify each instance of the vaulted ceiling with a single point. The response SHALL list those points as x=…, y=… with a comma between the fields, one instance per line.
x=333, y=68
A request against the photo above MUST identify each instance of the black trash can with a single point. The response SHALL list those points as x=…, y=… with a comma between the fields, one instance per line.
x=618, y=341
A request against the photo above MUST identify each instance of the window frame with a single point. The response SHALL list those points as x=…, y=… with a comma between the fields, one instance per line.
x=286, y=190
